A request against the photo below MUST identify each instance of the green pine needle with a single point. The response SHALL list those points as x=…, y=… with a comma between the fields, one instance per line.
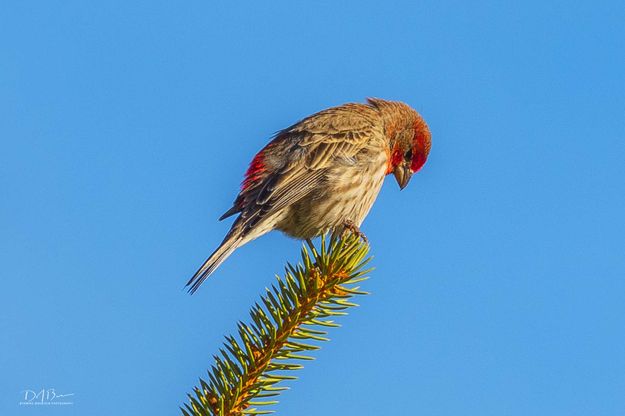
x=289, y=320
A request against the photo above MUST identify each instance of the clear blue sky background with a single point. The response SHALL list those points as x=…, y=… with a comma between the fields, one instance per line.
x=126, y=127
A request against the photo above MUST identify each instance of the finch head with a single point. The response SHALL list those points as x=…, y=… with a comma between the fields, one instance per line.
x=408, y=136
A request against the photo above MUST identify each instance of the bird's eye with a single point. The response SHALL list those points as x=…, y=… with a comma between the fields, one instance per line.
x=408, y=155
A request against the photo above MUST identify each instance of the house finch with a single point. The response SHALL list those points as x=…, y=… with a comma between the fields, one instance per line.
x=323, y=173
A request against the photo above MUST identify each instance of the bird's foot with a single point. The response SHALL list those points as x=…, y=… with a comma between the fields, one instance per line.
x=349, y=225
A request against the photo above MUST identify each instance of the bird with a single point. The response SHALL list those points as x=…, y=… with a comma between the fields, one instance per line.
x=323, y=174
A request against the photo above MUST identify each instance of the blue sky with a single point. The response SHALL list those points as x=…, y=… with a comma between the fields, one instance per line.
x=126, y=128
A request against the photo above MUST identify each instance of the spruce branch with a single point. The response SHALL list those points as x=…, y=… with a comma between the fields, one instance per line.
x=290, y=320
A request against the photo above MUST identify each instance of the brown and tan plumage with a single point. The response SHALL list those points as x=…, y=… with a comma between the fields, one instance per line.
x=323, y=173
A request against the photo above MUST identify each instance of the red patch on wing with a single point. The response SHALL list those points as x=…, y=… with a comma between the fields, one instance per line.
x=255, y=171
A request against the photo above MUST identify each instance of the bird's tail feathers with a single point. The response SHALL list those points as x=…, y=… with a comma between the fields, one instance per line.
x=226, y=248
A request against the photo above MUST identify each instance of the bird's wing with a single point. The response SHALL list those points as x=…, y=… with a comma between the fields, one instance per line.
x=294, y=163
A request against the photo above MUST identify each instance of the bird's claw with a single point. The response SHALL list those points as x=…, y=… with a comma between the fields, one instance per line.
x=349, y=225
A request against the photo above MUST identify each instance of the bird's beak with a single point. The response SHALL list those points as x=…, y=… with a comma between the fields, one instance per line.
x=402, y=174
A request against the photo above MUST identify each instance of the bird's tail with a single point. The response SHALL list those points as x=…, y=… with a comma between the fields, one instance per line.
x=230, y=243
